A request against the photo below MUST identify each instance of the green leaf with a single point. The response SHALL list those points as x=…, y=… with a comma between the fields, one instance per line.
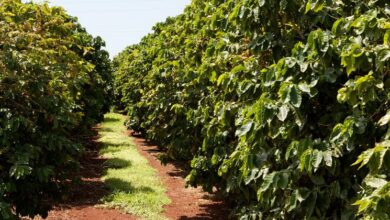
x=304, y=87
x=327, y=156
x=284, y=177
x=213, y=77
x=343, y=95
x=261, y=3
x=364, y=158
x=283, y=112
x=305, y=161
x=357, y=51
x=238, y=69
x=384, y=55
x=336, y=29
x=295, y=96
x=317, y=159
x=374, y=157
x=293, y=201
x=386, y=38
x=253, y=175
x=375, y=182
x=290, y=94
x=385, y=119
x=308, y=7
x=315, y=5
x=318, y=180
x=311, y=204
x=269, y=180
x=290, y=61
x=363, y=204
x=19, y=171
x=243, y=130
x=303, y=66
x=291, y=150
x=177, y=108
x=221, y=79
x=302, y=194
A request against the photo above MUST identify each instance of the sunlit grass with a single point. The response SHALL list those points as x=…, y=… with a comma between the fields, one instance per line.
x=135, y=186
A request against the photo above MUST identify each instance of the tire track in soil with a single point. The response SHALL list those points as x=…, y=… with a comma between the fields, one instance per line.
x=187, y=203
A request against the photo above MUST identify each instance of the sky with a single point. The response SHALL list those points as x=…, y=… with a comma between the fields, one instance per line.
x=121, y=22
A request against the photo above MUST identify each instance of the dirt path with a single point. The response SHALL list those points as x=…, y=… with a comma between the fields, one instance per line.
x=84, y=198
x=187, y=203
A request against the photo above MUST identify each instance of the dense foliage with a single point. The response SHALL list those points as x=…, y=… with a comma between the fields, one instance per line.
x=282, y=105
x=55, y=81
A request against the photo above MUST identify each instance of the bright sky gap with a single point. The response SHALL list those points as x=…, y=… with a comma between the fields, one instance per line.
x=121, y=22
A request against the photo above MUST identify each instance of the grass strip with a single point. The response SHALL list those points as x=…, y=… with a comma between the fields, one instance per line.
x=135, y=187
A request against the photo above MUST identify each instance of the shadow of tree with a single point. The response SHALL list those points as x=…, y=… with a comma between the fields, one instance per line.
x=210, y=211
x=111, y=119
x=106, y=130
x=117, y=163
x=89, y=190
x=118, y=185
x=113, y=148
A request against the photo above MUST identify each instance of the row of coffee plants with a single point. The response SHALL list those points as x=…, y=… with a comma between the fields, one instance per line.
x=281, y=105
x=55, y=81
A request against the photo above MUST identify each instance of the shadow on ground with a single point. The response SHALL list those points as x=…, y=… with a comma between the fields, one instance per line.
x=126, y=187
x=89, y=190
x=111, y=119
x=106, y=130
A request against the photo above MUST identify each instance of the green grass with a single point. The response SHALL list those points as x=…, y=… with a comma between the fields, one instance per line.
x=135, y=187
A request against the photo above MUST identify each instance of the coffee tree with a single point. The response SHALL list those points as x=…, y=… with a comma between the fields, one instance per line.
x=280, y=105
x=54, y=80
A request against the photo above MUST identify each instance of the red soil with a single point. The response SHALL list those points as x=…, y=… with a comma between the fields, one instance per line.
x=88, y=213
x=187, y=203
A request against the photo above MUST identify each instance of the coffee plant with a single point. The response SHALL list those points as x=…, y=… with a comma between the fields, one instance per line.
x=55, y=81
x=281, y=105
